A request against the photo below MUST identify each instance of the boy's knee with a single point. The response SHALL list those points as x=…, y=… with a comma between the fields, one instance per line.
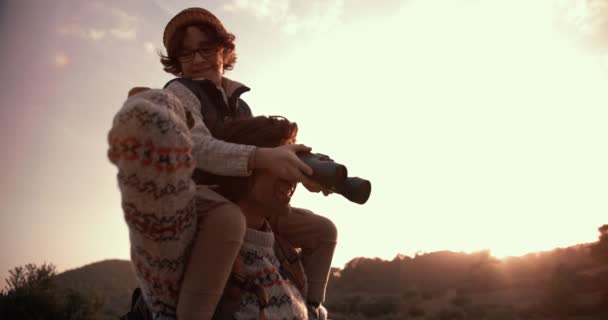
x=328, y=230
x=228, y=221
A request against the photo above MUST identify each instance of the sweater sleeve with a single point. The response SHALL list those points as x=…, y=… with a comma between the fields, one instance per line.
x=210, y=154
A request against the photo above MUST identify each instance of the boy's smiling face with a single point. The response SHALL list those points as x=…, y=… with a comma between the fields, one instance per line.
x=200, y=57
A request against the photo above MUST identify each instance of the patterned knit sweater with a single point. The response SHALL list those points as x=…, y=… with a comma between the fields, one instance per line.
x=155, y=152
x=285, y=301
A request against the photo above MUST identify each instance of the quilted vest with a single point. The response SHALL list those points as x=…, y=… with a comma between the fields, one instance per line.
x=215, y=111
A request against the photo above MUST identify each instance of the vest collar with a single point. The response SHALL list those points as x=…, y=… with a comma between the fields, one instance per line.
x=230, y=87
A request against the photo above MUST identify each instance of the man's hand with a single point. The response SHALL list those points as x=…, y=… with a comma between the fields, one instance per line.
x=313, y=186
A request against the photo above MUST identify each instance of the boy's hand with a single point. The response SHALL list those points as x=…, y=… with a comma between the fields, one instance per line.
x=136, y=90
x=283, y=162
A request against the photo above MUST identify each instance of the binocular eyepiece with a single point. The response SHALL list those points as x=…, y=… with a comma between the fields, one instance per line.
x=334, y=176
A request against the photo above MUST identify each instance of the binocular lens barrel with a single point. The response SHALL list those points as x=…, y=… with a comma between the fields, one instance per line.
x=326, y=173
x=334, y=176
x=356, y=190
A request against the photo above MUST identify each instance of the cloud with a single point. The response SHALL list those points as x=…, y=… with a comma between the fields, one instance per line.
x=99, y=22
x=172, y=7
x=150, y=47
x=81, y=32
x=95, y=34
x=585, y=15
x=588, y=18
x=292, y=16
x=123, y=34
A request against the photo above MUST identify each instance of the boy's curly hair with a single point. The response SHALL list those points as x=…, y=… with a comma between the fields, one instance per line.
x=221, y=38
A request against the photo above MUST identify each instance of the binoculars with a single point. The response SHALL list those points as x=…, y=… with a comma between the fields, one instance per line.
x=334, y=176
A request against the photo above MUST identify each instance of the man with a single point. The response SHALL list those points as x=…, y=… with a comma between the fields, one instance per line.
x=263, y=197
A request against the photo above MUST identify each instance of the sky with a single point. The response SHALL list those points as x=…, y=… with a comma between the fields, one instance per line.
x=480, y=123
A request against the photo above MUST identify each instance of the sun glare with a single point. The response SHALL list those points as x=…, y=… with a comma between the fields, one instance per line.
x=61, y=59
x=498, y=73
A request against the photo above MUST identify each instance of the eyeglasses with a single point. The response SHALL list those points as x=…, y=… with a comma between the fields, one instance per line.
x=188, y=56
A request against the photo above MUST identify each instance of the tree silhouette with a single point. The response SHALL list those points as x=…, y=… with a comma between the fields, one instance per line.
x=32, y=294
x=600, y=249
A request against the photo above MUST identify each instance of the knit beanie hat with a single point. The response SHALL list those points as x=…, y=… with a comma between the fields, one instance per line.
x=191, y=16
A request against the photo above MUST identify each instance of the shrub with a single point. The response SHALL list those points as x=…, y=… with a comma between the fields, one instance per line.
x=32, y=294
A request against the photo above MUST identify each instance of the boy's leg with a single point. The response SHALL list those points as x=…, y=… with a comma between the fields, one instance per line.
x=221, y=229
x=150, y=144
x=317, y=236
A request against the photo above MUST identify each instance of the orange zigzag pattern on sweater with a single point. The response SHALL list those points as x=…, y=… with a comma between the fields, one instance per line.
x=269, y=277
x=167, y=159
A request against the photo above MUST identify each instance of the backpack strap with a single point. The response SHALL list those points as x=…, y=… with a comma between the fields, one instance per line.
x=290, y=260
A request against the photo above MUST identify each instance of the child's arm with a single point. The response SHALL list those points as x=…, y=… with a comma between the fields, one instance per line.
x=229, y=159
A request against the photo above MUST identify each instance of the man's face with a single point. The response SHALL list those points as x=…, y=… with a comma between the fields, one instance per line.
x=199, y=57
x=270, y=195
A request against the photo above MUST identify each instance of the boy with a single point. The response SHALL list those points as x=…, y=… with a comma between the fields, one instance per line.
x=199, y=49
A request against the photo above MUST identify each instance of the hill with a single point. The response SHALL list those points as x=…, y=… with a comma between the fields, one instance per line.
x=112, y=281
x=565, y=283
